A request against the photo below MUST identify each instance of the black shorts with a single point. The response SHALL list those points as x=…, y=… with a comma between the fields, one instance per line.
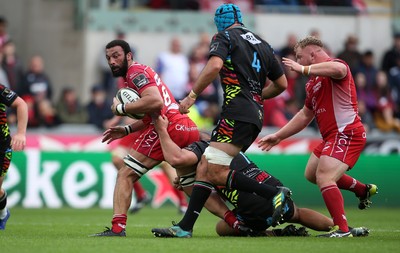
x=5, y=156
x=258, y=217
x=256, y=211
x=235, y=132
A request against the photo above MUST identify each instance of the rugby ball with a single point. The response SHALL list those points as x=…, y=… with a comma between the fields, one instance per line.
x=127, y=95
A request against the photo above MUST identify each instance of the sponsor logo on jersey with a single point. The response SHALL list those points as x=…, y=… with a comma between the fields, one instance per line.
x=140, y=80
x=250, y=38
x=316, y=87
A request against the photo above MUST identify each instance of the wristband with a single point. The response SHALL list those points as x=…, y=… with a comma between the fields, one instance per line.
x=128, y=129
x=120, y=109
x=192, y=95
x=305, y=70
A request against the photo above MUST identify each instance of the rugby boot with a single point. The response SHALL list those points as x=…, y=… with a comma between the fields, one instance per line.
x=336, y=232
x=174, y=231
x=365, y=202
x=278, y=203
x=109, y=232
x=359, y=231
x=4, y=220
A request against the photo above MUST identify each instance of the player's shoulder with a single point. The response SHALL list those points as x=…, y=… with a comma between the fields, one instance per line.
x=7, y=95
x=138, y=75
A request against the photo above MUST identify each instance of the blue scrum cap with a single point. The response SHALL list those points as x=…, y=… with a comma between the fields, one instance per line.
x=226, y=15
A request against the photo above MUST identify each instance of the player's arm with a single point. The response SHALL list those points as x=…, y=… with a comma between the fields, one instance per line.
x=207, y=75
x=295, y=125
x=333, y=69
x=150, y=101
x=117, y=132
x=173, y=154
x=18, y=141
x=275, y=88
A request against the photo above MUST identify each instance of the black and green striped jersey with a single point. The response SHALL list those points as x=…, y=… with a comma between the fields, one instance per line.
x=248, y=62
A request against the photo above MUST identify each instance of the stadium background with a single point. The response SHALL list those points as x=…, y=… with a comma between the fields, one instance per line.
x=67, y=165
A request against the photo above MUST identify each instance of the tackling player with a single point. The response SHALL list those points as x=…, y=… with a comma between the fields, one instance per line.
x=251, y=211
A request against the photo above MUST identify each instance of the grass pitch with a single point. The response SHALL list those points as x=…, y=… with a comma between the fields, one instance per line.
x=67, y=230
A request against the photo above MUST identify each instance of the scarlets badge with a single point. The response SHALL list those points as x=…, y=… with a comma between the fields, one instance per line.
x=140, y=80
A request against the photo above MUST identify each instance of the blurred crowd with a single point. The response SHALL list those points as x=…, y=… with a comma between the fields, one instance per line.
x=378, y=85
x=312, y=5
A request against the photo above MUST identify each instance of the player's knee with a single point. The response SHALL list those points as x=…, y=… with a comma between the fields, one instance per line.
x=135, y=165
x=117, y=161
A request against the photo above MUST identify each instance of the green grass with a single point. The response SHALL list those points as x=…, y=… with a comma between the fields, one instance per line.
x=67, y=230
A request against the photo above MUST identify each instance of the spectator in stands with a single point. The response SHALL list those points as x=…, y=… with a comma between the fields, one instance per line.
x=70, y=109
x=342, y=3
x=12, y=65
x=350, y=53
x=36, y=83
x=280, y=5
x=47, y=114
x=4, y=36
x=173, y=68
x=41, y=113
x=204, y=44
x=389, y=58
x=394, y=83
x=99, y=108
x=384, y=117
x=274, y=112
x=366, y=116
x=365, y=95
x=366, y=101
x=368, y=68
x=3, y=74
x=288, y=49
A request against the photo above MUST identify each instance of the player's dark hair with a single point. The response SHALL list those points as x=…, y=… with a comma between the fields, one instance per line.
x=122, y=43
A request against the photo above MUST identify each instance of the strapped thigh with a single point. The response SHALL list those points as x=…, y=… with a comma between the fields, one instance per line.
x=135, y=165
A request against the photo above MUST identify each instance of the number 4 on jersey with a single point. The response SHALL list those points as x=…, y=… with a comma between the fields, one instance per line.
x=256, y=62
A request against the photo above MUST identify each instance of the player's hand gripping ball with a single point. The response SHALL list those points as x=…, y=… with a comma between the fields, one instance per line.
x=127, y=95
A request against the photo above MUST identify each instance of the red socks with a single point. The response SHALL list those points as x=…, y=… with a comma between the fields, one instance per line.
x=118, y=223
x=334, y=202
x=230, y=218
x=348, y=183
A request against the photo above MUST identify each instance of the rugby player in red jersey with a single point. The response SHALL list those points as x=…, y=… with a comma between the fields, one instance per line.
x=156, y=99
x=332, y=100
